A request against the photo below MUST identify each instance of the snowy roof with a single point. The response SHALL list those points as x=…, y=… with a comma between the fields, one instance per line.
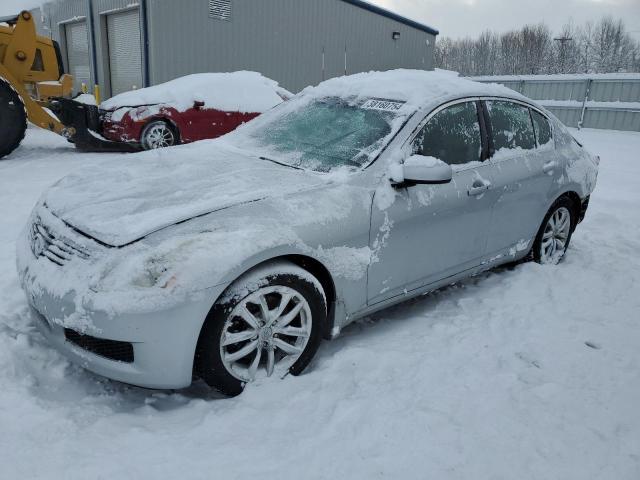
x=392, y=15
x=247, y=92
x=415, y=87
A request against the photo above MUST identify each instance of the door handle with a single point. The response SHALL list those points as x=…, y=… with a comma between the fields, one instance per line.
x=549, y=166
x=478, y=188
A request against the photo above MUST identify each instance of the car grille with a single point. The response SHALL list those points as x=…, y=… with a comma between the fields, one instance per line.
x=111, y=349
x=55, y=248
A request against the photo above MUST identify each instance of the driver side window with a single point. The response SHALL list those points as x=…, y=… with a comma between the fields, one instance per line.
x=453, y=135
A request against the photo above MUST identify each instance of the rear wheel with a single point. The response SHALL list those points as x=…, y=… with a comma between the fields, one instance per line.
x=158, y=134
x=269, y=324
x=555, y=233
x=13, y=119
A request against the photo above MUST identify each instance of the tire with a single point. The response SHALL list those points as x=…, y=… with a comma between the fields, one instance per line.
x=13, y=119
x=232, y=353
x=158, y=134
x=552, y=241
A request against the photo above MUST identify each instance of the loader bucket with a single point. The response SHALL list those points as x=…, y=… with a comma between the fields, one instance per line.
x=85, y=120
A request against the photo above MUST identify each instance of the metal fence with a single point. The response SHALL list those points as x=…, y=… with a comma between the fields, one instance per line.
x=607, y=101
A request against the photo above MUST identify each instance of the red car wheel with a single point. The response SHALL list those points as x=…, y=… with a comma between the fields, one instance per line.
x=158, y=134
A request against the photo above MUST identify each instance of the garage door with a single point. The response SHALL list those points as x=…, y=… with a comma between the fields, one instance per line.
x=125, y=51
x=77, y=43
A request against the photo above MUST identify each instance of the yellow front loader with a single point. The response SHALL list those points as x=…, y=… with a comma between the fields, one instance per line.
x=34, y=88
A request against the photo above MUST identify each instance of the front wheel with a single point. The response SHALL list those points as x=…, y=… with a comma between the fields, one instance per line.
x=268, y=324
x=13, y=119
x=555, y=233
x=158, y=134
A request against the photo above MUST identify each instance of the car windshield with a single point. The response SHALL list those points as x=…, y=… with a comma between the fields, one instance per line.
x=328, y=133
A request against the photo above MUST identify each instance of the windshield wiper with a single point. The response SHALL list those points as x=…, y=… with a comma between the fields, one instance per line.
x=280, y=163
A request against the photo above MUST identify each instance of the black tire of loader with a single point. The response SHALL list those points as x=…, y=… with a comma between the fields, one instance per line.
x=13, y=119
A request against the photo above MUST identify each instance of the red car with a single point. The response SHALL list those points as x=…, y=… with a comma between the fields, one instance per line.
x=191, y=108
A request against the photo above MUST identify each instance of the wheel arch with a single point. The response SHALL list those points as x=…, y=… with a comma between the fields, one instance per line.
x=307, y=263
x=576, y=203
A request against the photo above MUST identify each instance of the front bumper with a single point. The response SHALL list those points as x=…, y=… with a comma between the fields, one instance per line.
x=163, y=342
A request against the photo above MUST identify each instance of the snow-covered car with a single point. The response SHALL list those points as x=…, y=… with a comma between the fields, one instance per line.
x=355, y=195
x=191, y=108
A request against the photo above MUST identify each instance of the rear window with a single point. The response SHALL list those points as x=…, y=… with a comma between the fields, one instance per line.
x=542, y=128
x=511, y=126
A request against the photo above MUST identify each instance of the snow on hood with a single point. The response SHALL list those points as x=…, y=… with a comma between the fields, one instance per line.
x=246, y=92
x=120, y=202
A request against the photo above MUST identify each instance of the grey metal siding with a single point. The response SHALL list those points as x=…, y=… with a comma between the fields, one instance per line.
x=615, y=90
x=590, y=98
x=569, y=116
x=297, y=42
x=612, y=119
x=554, y=90
x=283, y=39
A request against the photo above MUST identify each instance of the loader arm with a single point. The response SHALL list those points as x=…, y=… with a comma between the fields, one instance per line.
x=36, y=113
x=17, y=59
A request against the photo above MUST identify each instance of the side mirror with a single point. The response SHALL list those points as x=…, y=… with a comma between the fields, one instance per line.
x=198, y=104
x=419, y=170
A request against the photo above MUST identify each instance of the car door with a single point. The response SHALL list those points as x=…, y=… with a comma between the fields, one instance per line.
x=431, y=232
x=526, y=170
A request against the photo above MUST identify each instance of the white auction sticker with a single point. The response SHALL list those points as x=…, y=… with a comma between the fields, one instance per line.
x=384, y=105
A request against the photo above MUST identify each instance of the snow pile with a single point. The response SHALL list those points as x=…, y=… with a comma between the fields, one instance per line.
x=245, y=92
x=86, y=99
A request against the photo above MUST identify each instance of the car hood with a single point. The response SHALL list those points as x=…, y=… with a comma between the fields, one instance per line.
x=121, y=202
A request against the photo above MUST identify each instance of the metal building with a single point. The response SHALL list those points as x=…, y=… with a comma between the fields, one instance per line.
x=125, y=44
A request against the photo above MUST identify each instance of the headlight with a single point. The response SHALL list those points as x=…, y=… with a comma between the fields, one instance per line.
x=155, y=274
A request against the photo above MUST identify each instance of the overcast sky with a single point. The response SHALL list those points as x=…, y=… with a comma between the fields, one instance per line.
x=458, y=18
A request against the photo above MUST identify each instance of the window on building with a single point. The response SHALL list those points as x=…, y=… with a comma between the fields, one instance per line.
x=220, y=9
x=511, y=126
x=452, y=135
x=542, y=128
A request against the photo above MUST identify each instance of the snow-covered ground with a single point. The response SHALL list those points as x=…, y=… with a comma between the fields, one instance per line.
x=529, y=372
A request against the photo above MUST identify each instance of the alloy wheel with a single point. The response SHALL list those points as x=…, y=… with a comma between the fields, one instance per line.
x=265, y=333
x=556, y=236
x=159, y=135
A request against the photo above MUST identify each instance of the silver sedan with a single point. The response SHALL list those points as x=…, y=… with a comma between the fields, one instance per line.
x=232, y=259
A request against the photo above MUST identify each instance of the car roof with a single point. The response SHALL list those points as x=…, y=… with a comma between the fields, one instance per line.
x=416, y=88
x=242, y=91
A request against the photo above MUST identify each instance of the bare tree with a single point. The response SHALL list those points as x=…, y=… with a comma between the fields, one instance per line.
x=604, y=46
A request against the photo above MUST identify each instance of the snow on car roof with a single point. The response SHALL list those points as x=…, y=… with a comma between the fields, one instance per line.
x=415, y=87
x=246, y=92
